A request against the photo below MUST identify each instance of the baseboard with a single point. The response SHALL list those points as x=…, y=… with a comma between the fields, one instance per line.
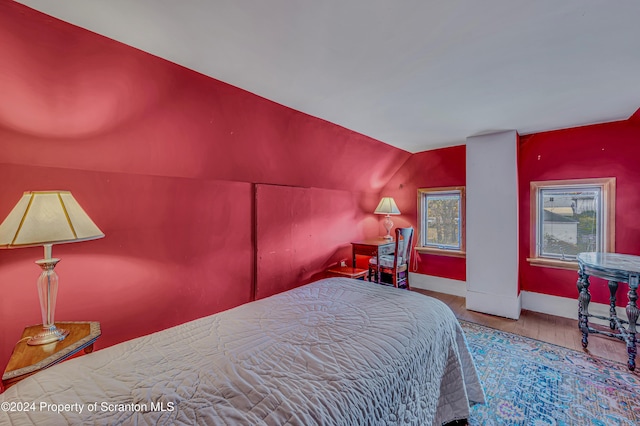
x=565, y=306
x=544, y=303
x=438, y=284
x=459, y=288
x=494, y=304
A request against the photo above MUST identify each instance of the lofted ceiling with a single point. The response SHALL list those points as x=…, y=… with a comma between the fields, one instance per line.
x=415, y=74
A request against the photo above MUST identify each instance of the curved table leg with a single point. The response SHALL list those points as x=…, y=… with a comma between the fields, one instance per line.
x=583, y=306
x=632, y=315
x=579, y=284
x=613, y=289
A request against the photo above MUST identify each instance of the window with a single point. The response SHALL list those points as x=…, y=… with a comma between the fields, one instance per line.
x=570, y=217
x=442, y=224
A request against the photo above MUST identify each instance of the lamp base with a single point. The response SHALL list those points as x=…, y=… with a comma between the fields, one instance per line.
x=388, y=224
x=49, y=334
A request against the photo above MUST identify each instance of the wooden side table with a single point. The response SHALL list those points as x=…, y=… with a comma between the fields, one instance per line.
x=27, y=360
x=347, y=271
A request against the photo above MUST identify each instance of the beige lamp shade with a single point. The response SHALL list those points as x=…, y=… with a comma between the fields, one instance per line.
x=47, y=217
x=387, y=206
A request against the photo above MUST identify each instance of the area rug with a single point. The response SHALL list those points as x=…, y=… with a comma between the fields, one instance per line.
x=529, y=382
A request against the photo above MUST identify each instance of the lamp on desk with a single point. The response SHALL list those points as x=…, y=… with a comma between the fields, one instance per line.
x=387, y=206
x=44, y=218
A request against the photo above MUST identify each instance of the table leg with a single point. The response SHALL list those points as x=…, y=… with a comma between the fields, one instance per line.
x=632, y=316
x=613, y=289
x=353, y=254
x=583, y=307
x=579, y=285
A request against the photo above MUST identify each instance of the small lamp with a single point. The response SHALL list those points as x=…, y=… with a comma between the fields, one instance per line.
x=46, y=218
x=387, y=207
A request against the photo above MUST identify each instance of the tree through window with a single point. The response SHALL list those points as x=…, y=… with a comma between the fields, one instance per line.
x=441, y=212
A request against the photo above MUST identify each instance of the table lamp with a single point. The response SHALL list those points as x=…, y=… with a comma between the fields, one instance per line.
x=387, y=207
x=44, y=218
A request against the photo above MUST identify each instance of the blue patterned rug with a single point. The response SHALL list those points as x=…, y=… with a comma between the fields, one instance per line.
x=529, y=382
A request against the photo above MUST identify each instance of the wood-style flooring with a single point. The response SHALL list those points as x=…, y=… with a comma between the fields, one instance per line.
x=548, y=328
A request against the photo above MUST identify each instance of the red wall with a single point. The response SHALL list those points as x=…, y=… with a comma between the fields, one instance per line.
x=308, y=227
x=164, y=160
x=167, y=256
x=604, y=150
x=429, y=169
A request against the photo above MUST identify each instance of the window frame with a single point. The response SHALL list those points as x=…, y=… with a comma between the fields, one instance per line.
x=421, y=247
x=607, y=188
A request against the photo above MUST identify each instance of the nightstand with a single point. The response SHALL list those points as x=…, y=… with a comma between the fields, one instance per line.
x=27, y=360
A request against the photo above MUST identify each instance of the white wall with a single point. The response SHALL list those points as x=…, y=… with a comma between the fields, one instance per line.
x=492, y=224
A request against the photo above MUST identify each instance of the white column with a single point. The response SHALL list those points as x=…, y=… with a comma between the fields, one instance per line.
x=492, y=224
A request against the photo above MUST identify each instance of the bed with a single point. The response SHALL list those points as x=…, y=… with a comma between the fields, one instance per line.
x=334, y=352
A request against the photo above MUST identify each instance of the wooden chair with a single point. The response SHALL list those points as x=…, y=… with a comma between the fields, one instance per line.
x=396, y=265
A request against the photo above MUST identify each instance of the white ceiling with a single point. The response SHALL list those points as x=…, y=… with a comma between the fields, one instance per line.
x=416, y=74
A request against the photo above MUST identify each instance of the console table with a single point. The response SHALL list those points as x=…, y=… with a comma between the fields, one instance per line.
x=615, y=268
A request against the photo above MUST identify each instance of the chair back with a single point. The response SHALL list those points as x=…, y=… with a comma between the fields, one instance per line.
x=403, y=250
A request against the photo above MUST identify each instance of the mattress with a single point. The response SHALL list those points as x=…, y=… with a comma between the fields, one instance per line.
x=334, y=352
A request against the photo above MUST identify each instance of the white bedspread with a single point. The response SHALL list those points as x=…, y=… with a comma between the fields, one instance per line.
x=334, y=352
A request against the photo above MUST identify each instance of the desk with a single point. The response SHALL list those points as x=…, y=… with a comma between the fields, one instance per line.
x=373, y=247
x=615, y=268
x=27, y=360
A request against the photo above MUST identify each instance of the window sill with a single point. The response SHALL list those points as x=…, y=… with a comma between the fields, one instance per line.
x=441, y=252
x=553, y=263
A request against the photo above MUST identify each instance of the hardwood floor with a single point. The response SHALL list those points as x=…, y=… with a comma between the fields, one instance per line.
x=548, y=328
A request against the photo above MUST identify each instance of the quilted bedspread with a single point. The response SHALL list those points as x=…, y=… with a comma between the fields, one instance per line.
x=333, y=352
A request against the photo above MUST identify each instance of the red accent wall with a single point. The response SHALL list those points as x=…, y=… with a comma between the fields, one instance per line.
x=428, y=169
x=308, y=227
x=163, y=159
x=604, y=150
x=168, y=254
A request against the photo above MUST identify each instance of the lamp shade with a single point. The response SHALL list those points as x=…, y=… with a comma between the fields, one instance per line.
x=47, y=217
x=387, y=206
